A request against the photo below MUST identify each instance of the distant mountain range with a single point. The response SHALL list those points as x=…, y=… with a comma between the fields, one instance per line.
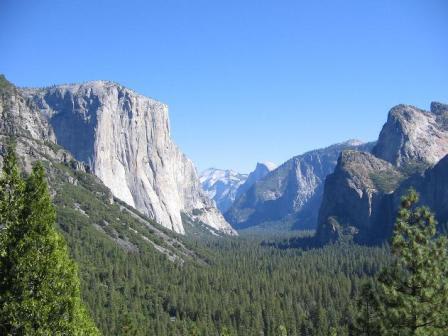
x=351, y=189
x=289, y=196
x=224, y=186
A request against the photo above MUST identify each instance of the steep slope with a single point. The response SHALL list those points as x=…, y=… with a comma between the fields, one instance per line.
x=432, y=186
x=18, y=117
x=261, y=170
x=290, y=195
x=125, y=138
x=353, y=197
x=362, y=196
x=221, y=186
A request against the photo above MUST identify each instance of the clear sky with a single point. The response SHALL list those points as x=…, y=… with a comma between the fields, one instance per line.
x=245, y=80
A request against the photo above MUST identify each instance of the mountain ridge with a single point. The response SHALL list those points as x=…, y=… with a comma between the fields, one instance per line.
x=362, y=202
x=291, y=193
x=225, y=186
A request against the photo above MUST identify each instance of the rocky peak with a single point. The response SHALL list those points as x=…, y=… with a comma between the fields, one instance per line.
x=413, y=135
x=221, y=186
x=19, y=117
x=439, y=108
x=267, y=165
x=261, y=170
x=359, y=167
x=125, y=137
x=353, y=193
x=362, y=196
x=75, y=110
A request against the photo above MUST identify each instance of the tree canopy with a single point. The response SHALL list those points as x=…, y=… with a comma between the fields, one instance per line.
x=411, y=294
x=39, y=284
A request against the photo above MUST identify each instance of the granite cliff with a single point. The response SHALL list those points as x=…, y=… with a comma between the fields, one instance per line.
x=362, y=195
x=412, y=135
x=125, y=139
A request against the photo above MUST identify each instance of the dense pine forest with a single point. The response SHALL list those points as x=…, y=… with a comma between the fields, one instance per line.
x=244, y=288
x=246, y=285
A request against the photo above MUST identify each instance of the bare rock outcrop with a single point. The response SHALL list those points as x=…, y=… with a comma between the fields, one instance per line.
x=353, y=196
x=125, y=139
x=414, y=135
x=362, y=196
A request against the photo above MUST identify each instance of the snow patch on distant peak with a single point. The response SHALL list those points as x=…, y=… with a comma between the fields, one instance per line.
x=221, y=185
x=353, y=142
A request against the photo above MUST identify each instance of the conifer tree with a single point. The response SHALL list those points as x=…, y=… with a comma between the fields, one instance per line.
x=12, y=189
x=413, y=290
x=39, y=284
x=368, y=320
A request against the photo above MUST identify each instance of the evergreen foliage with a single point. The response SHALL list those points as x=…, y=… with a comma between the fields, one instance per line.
x=39, y=285
x=247, y=289
x=229, y=286
x=411, y=297
x=368, y=320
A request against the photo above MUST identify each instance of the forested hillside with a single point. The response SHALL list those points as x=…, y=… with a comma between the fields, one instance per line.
x=244, y=289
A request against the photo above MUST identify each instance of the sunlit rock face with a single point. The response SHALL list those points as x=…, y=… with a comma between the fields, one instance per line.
x=125, y=137
x=362, y=195
x=19, y=117
x=414, y=135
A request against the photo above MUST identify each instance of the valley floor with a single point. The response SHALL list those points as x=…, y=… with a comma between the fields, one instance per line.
x=245, y=287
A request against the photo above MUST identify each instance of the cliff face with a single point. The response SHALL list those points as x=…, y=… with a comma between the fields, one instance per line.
x=432, y=187
x=353, y=201
x=21, y=120
x=291, y=193
x=19, y=117
x=362, y=196
x=414, y=135
x=261, y=170
x=125, y=138
x=84, y=205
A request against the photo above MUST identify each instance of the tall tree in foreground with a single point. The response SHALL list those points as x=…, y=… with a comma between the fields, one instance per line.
x=12, y=189
x=39, y=284
x=412, y=295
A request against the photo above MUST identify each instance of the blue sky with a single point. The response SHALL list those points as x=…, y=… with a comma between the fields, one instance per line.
x=246, y=81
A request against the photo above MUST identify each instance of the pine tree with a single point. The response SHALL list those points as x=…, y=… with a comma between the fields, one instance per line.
x=39, y=284
x=127, y=326
x=12, y=189
x=368, y=321
x=413, y=291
